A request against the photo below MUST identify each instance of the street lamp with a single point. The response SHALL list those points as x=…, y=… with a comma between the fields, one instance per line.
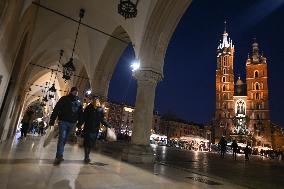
x=135, y=65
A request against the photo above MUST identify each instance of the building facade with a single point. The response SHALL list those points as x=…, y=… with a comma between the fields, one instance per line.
x=121, y=117
x=242, y=108
x=175, y=128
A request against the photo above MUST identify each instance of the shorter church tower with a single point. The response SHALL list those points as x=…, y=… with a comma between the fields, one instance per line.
x=257, y=97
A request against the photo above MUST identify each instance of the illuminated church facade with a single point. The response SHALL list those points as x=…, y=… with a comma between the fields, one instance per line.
x=242, y=108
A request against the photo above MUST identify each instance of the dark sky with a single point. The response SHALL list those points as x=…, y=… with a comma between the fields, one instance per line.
x=188, y=89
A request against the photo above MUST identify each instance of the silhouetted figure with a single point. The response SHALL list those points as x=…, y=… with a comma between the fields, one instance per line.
x=26, y=121
x=41, y=126
x=223, y=144
x=247, y=151
x=235, y=149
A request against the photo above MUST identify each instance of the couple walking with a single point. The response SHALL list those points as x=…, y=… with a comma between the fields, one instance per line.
x=69, y=112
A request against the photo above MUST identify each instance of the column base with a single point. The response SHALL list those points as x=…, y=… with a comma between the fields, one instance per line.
x=138, y=154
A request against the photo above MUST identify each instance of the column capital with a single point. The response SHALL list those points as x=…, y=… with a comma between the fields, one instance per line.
x=146, y=75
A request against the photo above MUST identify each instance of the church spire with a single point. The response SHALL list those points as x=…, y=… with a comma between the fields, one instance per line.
x=225, y=23
x=226, y=42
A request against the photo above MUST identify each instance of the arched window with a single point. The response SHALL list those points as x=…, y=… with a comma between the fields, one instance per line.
x=257, y=86
x=225, y=61
x=224, y=87
x=240, y=107
x=224, y=71
x=224, y=79
x=257, y=96
x=225, y=97
x=256, y=74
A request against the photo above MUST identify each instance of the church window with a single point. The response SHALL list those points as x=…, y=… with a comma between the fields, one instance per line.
x=240, y=107
x=224, y=79
x=257, y=96
x=257, y=86
x=256, y=74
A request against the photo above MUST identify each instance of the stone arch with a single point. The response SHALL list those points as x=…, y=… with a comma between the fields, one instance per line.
x=107, y=62
x=159, y=30
x=11, y=99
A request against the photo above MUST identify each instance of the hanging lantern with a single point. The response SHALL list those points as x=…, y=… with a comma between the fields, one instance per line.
x=52, y=88
x=45, y=99
x=68, y=69
x=127, y=8
x=51, y=96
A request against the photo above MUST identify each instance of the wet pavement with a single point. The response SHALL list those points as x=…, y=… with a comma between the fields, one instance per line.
x=25, y=164
x=258, y=172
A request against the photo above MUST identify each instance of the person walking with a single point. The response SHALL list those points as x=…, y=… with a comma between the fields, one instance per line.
x=93, y=116
x=68, y=110
x=247, y=152
x=223, y=145
x=26, y=121
x=235, y=149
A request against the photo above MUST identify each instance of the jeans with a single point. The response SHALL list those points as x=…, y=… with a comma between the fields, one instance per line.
x=64, y=130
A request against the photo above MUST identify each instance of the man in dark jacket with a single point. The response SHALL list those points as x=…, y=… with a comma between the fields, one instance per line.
x=92, y=118
x=68, y=111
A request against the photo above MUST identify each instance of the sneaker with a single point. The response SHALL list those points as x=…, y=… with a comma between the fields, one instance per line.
x=58, y=160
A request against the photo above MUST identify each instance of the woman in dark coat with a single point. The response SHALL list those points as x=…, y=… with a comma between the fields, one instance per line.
x=93, y=116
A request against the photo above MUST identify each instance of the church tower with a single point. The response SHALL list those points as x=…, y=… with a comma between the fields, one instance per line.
x=257, y=97
x=224, y=87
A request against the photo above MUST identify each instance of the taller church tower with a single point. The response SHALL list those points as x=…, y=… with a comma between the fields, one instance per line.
x=224, y=87
x=257, y=97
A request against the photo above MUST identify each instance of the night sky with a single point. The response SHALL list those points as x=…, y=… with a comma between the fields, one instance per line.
x=188, y=89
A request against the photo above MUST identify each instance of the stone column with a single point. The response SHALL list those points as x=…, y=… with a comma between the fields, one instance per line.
x=139, y=150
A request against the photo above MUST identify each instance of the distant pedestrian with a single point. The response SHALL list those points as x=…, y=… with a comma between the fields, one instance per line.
x=247, y=152
x=26, y=121
x=223, y=145
x=235, y=149
x=41, y=126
